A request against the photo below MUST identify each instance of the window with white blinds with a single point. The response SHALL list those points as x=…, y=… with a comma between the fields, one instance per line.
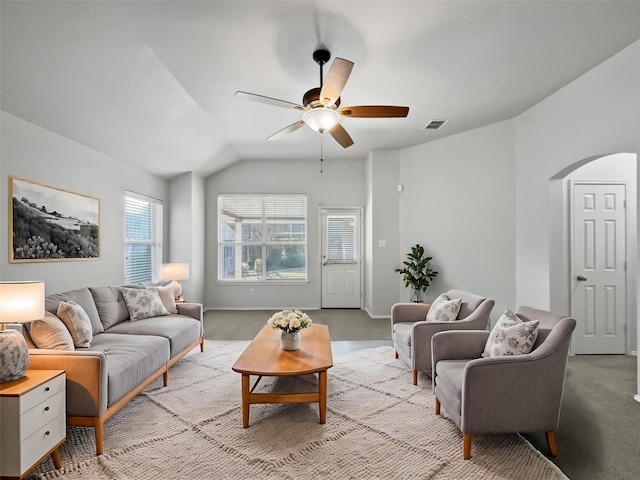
x=341, y=239
x=143, y=238
x=262, y=237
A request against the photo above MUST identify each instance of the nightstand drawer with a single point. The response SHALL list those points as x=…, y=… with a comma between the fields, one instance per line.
x=41, y=393
x=42, y=441
x=42, y=414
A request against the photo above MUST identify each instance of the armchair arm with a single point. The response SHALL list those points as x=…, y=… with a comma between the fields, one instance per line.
x=190, y=309
x=458, y=345
x=409, y=312
x=86, y=373
x=423, y=333
x=520, y=393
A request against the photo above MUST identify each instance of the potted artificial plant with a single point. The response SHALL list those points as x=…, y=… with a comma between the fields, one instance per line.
x=416, y=273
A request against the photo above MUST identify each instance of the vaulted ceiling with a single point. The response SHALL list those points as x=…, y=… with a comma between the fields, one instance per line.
x=152, y=82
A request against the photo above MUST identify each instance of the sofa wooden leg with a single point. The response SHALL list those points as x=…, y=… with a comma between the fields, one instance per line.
x=551, y=443
x=99, y=431
x=466, y=440
x=437, y=406
x=397, y=356
x=202, y=344
x=415, y=377
x=165, y=377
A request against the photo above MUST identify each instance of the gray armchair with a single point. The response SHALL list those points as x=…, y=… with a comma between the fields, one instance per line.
x=412, y=334
x=518, y=393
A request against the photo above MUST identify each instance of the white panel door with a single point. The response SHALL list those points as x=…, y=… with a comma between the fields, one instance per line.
x=341, y=259
x=598, y=268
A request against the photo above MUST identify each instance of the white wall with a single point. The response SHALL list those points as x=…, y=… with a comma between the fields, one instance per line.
x=341, y=185
x=458, y=202
x=187, y=221
x=597, y=114
x=382, y=229
x=37, y=154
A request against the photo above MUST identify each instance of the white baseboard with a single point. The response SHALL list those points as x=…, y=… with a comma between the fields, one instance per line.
x=633, y=353
x=636, y=398
x=374, y=316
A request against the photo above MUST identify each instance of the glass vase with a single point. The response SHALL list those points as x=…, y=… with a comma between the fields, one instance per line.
x=290, y=340
x=416, y=295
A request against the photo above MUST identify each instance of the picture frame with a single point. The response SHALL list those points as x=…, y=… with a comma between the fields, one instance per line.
x=50, y=224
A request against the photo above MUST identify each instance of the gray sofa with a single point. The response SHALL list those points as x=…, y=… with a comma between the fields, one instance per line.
x=123, y=358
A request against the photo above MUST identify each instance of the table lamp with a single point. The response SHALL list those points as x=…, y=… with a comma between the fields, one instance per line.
x=175, y=272
x=20, y=302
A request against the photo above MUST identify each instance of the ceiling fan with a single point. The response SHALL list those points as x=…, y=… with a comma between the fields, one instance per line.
x=321, y=105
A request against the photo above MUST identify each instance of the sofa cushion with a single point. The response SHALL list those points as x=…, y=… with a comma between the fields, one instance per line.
x=180, y=330
x=511, y=336
x=50, y=332
x=143, y=303
x=77, y=321
x=82, y=297
x=110, y=305
x=402, y=332
x=443, y=309
x=449, y=374
x=167, y=297
x=131, y=360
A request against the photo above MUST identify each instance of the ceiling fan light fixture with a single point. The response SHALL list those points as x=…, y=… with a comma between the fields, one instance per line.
x=321, y=119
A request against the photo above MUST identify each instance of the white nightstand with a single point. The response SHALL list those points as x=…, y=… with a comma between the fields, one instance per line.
x=32, y=421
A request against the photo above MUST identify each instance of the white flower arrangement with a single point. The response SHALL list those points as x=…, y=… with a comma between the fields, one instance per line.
x=289, y=320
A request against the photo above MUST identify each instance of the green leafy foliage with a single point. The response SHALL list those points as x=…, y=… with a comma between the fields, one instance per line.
x=416, y=272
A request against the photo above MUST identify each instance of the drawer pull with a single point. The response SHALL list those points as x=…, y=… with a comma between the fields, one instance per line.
x=46, y=389
x=46, y=409
x=47, y=432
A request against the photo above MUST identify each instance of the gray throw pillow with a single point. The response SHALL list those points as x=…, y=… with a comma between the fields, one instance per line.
x=77, y=321
x=143, y=303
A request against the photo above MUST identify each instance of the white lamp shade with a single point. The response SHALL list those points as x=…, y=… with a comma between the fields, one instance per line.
x=321, y=119
x=174, y=271
x=21, y=302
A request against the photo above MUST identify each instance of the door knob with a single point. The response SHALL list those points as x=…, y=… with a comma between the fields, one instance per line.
x=580, y=278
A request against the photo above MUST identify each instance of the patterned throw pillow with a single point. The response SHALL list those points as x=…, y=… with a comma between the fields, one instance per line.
x=167, y=296
x=143, y=303
x=50, y=332
x=444, y=309
x=77, y=321
x=511, y=336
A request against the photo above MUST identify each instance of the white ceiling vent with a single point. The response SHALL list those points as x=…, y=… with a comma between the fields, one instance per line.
x=435, y=124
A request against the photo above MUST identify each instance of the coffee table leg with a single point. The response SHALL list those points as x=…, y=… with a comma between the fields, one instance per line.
x=245, y=400
x=322, y=393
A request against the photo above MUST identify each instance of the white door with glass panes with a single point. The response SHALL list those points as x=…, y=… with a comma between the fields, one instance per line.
x=341, y=275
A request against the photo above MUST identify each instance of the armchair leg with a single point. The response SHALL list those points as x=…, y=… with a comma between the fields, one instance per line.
x=397, y=356
x=466, y=440
x=551, y=443
x=437, y=406
x=415, y=377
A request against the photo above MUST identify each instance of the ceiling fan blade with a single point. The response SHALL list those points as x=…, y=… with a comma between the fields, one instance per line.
x=268, y=100
x=335, y=81
x=342, y=137
x=374, y=111
x=286, y=130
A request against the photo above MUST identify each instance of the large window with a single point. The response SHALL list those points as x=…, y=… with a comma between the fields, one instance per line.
x=262, y=237
x=143, y=238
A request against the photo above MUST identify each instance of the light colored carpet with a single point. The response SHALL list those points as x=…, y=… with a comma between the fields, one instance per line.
x=379, y=425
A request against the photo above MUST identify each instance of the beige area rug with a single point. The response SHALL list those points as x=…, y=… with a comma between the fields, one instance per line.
x=379, y=425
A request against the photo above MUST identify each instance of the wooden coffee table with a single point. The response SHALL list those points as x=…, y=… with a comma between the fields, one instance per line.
x=265, y=357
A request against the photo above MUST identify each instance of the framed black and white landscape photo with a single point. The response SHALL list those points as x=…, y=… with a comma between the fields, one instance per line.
x=51, y=224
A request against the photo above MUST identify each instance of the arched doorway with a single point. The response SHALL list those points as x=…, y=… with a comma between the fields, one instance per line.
x=594, y=329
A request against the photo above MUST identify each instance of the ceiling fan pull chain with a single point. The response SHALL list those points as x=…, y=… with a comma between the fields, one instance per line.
x=321, y=159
